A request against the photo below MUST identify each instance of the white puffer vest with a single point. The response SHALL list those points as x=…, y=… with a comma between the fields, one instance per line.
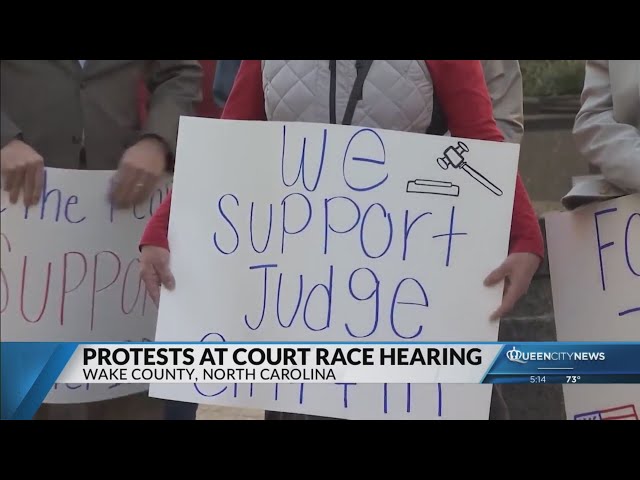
x=396, y=95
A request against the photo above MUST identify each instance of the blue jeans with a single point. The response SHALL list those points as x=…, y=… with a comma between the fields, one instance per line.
x=180, y=410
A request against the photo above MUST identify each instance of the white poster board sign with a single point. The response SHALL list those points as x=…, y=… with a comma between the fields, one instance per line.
x=594, y=260
x=70, y=271
x=367, y=239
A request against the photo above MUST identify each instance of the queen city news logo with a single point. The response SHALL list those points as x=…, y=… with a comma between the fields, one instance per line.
x=518, y=356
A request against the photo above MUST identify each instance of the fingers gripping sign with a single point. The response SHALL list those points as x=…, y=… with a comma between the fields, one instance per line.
x=140, y=169
x=22, y=170
x=517, y=271
x=155, y=271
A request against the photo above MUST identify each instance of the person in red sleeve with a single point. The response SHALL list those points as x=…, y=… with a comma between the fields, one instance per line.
x=400, y=95
x=207, y=107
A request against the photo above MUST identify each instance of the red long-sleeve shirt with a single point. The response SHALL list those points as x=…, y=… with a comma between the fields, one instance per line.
x=463, y=95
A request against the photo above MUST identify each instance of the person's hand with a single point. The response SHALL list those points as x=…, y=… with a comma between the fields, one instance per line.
x=517, y=271
x=154, y=270
x=140, y=168
x=22, y=169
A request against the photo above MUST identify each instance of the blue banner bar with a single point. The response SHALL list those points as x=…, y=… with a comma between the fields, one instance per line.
x=30, y=369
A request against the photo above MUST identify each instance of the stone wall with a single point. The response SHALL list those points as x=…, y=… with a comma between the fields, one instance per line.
x=533, y=321
x=548, y=161
x=548, y=155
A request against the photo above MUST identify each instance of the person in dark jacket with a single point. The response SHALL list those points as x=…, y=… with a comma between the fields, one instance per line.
x=83, y=114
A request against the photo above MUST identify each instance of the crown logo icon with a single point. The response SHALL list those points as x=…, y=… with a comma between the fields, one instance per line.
x=515, y=355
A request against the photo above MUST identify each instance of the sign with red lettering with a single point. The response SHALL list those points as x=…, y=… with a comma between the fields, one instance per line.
x=70, y=271
x=594, y=261
x=315, y=233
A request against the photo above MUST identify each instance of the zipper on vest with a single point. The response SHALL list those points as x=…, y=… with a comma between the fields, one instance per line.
x=332, y=92
x=362, y=70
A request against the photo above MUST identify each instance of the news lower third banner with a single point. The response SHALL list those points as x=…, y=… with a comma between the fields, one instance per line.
x=29, y=370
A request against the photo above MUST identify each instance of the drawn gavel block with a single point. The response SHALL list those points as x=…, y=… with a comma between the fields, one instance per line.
x=453, y=156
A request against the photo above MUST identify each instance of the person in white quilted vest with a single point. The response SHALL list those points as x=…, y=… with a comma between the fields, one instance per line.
x=400, y=95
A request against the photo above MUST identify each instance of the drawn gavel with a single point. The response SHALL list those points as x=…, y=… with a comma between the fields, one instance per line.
x=452, y=156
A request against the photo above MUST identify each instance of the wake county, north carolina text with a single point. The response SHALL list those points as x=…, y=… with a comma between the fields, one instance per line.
x=180, y=375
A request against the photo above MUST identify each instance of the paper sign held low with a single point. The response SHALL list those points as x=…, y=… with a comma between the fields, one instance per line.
x=594, y=261
x=70, y=271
